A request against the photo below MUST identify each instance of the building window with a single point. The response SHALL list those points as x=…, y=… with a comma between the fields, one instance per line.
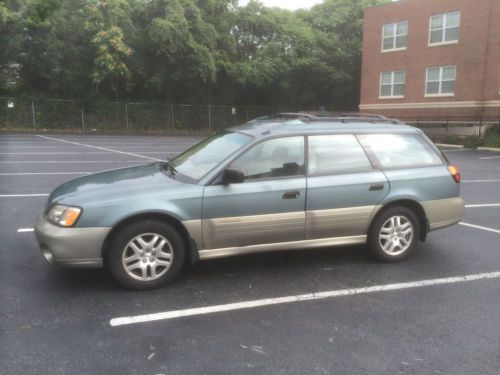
x=394, y=36
x=441, y=81
x=444, y=28
x=392, y=84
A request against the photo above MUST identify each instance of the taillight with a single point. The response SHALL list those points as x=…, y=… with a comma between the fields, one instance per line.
x=455, y=173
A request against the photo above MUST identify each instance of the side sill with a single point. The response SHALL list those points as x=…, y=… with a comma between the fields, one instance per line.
x=78, y=263
x=292, y=245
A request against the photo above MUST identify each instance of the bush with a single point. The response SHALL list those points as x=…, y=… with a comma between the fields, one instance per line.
x=492, y=140
x=474, y=142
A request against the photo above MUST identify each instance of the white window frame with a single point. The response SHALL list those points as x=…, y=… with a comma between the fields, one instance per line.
x=444, y=28
x=395, y=28
x=392, y=96
x=441, y=70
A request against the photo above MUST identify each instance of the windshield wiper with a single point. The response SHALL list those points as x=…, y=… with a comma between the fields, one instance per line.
x=167, y=165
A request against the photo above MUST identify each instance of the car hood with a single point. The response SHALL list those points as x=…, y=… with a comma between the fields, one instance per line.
x=117, y=184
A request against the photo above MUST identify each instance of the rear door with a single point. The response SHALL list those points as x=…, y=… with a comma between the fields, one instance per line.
x=343, y=188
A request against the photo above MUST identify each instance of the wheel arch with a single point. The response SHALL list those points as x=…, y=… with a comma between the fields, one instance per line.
x=412, y=205
x=190, y=245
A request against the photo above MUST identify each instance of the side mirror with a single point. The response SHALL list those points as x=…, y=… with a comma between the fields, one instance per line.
x=232, y=176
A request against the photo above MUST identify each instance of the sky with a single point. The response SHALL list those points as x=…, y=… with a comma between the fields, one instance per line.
x=287, y=4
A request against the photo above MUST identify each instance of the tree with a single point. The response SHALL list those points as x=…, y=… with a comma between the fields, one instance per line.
x=107, y=21
x=184, y=51
x=7, y=70
x=338, y=28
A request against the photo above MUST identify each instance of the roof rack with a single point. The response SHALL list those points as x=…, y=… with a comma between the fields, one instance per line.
x=292, y=115
x=334, y=117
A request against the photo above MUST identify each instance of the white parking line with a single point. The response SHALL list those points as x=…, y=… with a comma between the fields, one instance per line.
x=99, y=148
x=480, y=227
x=480, y=181
x=43, y=173
x=73, y=148
x=297, y=298
x=77, y=153
x=25, y=230
x=489, y=157
x=482, y=205
x=51, y=143
x=72, y=161
x=16, y=138
x=55, y=153
x=22, y=195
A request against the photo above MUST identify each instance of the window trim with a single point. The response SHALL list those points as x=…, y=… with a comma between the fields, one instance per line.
x=373, y=168
x=439, y=94
x=392, y=96
x=443, y=42
x=394, y=49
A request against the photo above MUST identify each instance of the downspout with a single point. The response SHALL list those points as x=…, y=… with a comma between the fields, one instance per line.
x=486, y=58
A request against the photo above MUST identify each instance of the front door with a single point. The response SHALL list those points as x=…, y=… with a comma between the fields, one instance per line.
x=268, y=207
x=343, y=189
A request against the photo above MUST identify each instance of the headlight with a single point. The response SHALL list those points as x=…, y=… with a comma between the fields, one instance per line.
x=64, y=216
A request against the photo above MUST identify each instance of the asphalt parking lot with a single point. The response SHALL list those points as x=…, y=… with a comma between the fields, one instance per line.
x=436, y=313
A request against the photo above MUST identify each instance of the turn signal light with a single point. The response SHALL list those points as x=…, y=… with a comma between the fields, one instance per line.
x=455, y=173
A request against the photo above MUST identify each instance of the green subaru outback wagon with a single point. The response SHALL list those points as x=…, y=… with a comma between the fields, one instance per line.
x=285, y=182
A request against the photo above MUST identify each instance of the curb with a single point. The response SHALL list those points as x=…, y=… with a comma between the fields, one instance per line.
x=449, y=145
x=489, y=149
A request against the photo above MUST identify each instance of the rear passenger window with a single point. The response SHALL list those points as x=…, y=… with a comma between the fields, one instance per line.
x=341, y=153
x=399, y=150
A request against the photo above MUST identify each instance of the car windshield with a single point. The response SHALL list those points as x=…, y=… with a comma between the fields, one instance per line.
x=200, y=159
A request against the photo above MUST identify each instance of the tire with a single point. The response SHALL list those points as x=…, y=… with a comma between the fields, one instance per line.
x=146, y=255
x=390, y=242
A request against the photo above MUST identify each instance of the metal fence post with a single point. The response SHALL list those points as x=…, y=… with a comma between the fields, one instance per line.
x=209, y=117
x=83, y=123
x=126, y=115
x=33, y=114
x=447, y=125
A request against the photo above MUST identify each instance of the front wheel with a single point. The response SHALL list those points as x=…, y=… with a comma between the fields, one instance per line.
x=146, y=255
x=394, y=234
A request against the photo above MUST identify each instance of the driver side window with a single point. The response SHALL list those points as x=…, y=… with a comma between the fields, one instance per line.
x=279, y=157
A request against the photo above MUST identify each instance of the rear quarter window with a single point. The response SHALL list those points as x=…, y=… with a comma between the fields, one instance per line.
x=399, y=150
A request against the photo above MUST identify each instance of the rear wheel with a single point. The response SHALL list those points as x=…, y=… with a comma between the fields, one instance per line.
x=394, y=234
x=146, y=255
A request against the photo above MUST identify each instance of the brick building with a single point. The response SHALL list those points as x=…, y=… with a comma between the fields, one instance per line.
x=432, y=58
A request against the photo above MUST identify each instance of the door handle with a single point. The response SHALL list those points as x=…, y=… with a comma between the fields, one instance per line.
x=291, y=195
x=376, y=187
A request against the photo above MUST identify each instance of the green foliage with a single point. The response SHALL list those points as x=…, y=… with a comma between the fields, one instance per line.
x=474, y=142
x=183, y=51
x=492, y=141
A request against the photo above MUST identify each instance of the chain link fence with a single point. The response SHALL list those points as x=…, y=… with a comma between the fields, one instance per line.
x=55, y=114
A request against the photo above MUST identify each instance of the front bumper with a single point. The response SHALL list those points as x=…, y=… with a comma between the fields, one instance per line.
x=70, y=247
